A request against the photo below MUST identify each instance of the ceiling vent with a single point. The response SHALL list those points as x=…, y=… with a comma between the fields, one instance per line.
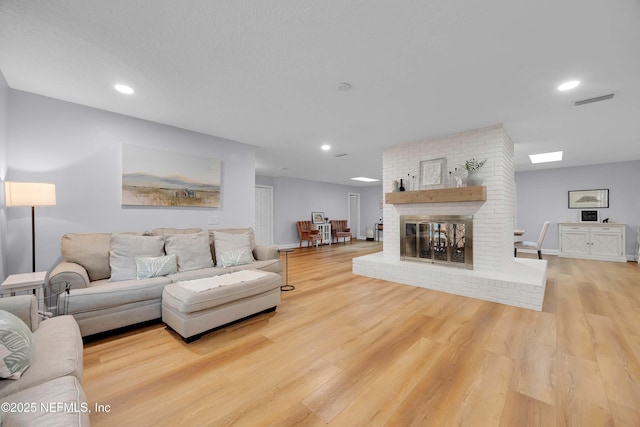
x=596, y=99
x=341, y=155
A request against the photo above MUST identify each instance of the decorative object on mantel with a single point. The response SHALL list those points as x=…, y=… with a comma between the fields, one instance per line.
x=475, y=177
x=401, y=186
x=433, y=174
x=396, y=186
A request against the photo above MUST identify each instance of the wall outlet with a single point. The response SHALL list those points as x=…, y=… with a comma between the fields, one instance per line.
x=213, y=220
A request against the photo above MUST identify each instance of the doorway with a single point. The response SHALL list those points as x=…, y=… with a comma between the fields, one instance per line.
x=264, y=230
x=354, y=214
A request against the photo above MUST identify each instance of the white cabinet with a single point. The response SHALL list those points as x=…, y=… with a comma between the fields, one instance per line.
x=604, y=242
x=325, y=232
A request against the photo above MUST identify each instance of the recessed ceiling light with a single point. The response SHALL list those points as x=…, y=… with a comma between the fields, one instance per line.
x=568, y=85
x=127, y=90
x=344, y=86
x=326, y=147
x=365, y=179
x=555, y=156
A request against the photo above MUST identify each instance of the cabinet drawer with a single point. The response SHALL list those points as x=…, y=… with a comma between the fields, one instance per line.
x=608, y=230
x=565, y=228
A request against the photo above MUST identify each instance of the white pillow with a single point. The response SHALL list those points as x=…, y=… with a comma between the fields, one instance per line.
x=192, y=250
x=232, y=249
x=156, y=266
x=124, y=250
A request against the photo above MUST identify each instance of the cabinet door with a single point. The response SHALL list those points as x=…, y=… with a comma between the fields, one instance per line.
x=606, y=243
x=574, y=242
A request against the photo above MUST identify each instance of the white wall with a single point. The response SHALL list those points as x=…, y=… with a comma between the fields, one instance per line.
x=4, y=107
x=543, y=195
x=80, y=150
x=295, y=199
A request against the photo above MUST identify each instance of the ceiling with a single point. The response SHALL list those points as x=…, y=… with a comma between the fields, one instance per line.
x=266, y=73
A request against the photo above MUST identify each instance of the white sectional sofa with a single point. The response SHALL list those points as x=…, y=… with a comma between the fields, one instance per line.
x=109, y=279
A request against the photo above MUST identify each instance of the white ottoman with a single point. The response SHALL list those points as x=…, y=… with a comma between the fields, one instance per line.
x=191, y=312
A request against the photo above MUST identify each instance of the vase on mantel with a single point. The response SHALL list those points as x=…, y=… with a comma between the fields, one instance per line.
x=475, y=178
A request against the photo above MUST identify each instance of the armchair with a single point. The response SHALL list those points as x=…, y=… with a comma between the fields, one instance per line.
x=306, y=232
x=339, y=229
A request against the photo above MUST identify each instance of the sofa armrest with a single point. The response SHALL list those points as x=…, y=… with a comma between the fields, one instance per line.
x=264, y=252
x=68, y=272
x=23, y=306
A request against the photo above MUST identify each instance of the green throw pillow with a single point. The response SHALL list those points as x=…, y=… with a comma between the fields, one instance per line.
x=16, y=346
x=156, y=266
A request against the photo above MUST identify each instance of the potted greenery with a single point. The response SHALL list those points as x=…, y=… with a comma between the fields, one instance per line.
x=474, y=177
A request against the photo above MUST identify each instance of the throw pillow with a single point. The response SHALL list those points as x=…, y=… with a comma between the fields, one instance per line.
x=124, y=250
x=90, y=250
x=16, y=346
x=192, y=250
x=156, y=266
x=232, y=249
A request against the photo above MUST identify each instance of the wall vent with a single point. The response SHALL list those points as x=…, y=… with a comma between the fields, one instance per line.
x=596, y=99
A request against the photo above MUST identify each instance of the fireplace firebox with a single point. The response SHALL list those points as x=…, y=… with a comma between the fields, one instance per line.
x=443, y=239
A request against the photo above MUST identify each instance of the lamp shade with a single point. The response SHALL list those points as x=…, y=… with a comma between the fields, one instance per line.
x=29, y=194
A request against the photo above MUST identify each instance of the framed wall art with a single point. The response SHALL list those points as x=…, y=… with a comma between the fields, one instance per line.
x=433, y=173
x=152, y=177
x=588, y=199
x=317, y=217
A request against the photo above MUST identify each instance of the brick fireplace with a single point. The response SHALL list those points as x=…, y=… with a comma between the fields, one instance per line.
x=492, y=273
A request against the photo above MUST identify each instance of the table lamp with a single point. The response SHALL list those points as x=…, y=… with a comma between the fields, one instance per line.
x=30, y=194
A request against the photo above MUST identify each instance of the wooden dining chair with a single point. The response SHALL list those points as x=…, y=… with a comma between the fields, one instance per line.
x=339, y=229
x=306, y=232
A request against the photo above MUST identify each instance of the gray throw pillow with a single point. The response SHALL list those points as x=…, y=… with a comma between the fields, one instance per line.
x=124, y=250
x=192, y=250
x=232, y=249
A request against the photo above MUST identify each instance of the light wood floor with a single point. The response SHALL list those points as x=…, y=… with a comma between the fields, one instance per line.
x=346, y=350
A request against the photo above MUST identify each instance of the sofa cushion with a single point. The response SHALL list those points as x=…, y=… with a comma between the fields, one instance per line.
x=16, y=346
x=232, y=249
x=48, y=401
x=57, y=353
x=124, y=250
x=104, y=294
x=90, y=250
x=192, y=250
x=165, y=231
x=247, y=230
x=156, y=266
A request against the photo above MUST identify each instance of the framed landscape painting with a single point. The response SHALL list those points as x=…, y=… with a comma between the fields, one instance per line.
x=153, y=177
x=588, y=199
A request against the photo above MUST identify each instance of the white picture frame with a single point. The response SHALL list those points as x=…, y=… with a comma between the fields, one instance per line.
x=433, y=173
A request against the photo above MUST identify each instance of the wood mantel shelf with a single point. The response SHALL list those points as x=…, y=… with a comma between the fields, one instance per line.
x=440, y=195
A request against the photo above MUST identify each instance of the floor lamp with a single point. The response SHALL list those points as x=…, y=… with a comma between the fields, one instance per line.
x=30, y=194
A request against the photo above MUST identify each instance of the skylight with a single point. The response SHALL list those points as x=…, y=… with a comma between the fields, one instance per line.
x=127, y=90
x=365, y=179
x=568, y=85
x=555, y=156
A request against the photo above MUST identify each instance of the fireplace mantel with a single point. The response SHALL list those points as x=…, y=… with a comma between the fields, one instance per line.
x=440, y=195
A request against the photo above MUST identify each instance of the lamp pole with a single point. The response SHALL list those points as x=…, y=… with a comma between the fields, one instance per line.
x=33, y=238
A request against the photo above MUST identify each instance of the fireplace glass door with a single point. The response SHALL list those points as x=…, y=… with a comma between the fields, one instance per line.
x=442, y=240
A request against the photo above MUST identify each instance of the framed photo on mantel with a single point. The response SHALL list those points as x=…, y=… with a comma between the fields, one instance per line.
x=433, y=173
x=588, y=199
